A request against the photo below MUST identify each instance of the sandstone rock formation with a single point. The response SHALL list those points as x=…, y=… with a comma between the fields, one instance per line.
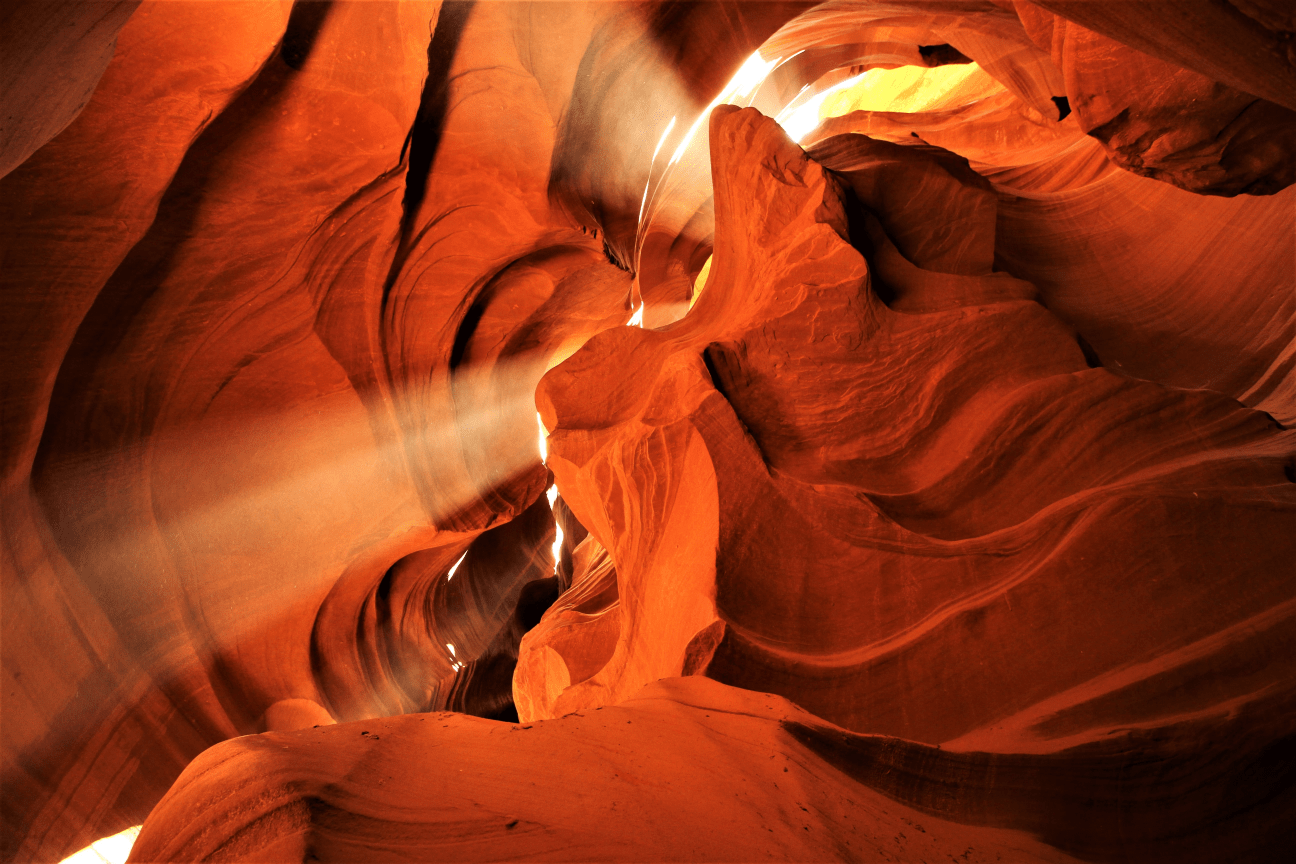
x=870, y=448
x=621, y=783
x=949, y=470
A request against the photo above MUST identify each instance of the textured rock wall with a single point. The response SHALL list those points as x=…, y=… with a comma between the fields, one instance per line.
x=687, y=770
x=892, y=476
x=957, y=444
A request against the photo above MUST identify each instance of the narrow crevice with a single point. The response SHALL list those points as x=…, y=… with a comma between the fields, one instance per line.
x=304, y=25
x=573, y=534
x=713, y=357
x=1090, y=355
x=424, y=138
x=709, y=358
x=468, y=326
x=615, y=259
x=857, y=220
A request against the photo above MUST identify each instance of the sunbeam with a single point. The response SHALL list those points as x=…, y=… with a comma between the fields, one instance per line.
x=309, y=488
x=109, y=850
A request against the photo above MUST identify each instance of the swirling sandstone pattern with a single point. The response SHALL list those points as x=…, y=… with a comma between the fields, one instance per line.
x=880, y=483
x=971, y=444
x=620, y=783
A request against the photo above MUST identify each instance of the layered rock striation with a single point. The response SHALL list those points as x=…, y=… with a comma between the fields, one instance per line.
x=863, y=420
x=961, y=430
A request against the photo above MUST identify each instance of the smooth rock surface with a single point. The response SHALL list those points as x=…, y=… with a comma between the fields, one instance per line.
x=686, y=770
x=974, y=443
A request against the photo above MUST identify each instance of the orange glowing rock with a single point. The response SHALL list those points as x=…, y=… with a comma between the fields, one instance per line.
x=686, y=769
x=849, y=461
x=893, y=516
x=963, y=433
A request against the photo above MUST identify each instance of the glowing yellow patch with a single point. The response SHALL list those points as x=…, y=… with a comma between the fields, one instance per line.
x=109, y=850
x=910, y=89
x=700, y=282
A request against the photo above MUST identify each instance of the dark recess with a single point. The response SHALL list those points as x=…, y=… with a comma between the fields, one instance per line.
x=304, y=23
x=1063, y=105
x=613, y=258
x=425, y=135
x=709, y=356
x=1090, y=355
x=942, y=55
x=573, y=533
x=424, y=138
x=485, y=688
x=468, y=326
x=534, y=600
x=857, y=216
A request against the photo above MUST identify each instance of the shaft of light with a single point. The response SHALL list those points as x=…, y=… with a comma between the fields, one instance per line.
x=647, y=182
x=450, y=575
x=744, y=82
x=109, y=850
x=802, y=120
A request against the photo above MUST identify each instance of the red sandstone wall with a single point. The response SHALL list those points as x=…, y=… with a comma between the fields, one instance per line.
x=973, y=442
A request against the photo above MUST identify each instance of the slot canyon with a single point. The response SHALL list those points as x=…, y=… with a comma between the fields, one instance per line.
x=804, y=430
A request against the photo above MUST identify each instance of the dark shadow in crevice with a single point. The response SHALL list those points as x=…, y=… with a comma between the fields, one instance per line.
x=942, y=55
x=1202, y=791
x=573, y=534
x=1090, y=355
x=857, y=216
x=304, y=24
x=424, y=138
x=375, y=647
x=710, y=355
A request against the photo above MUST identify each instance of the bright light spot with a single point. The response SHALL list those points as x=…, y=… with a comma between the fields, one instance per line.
x=740, y=86
x=556, y=549
x=636, y=320
x=544, y=435
x=451, y=648
x=450, y=575
x=700, y=282
x=749, y=76
x=557, y=544
x=662, y=140
x=908, y=89
x=113, y=850
x=800, y=121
